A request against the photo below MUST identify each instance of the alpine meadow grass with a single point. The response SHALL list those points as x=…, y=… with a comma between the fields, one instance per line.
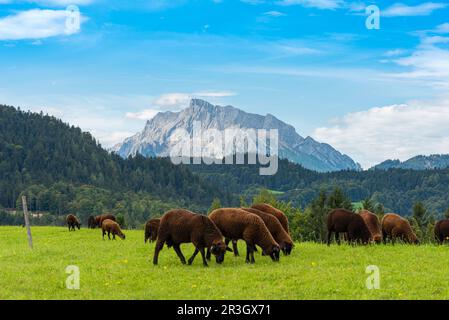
x=122, y=269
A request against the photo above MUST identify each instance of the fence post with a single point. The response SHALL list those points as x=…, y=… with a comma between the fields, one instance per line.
x=27, y=221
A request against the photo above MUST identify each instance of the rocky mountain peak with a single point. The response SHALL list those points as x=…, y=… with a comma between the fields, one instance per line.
x=154, y=140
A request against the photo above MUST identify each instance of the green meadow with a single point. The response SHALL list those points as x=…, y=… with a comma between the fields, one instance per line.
x=122, y=269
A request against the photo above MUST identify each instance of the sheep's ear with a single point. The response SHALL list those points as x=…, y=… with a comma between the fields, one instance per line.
x=229, y=249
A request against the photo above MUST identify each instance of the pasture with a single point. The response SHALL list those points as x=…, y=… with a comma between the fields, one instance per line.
x=122, y=270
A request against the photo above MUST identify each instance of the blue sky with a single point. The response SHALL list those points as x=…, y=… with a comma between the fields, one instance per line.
x=373, y=94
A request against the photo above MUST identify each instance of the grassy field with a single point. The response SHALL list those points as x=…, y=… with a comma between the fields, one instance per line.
x=122, y=270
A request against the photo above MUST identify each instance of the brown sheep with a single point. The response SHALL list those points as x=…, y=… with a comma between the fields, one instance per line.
x=182, y=226
x=344, y=221
x=151, y=228
x=275, y=212
x=97, y=221
x=394, y=226
x=111, y=226
x=442, y=231
x=277, y=231
x=373, y=224
x=239, y=224
x=72, y=222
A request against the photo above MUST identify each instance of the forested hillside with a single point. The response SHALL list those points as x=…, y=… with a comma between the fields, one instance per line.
x=396, y=189
x=55, y=162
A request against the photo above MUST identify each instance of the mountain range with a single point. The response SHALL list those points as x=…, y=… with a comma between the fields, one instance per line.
x=436, y=161
x=154, y=139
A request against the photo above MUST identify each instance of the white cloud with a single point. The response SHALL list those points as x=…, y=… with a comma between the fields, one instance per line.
x=213, y=94
x=172, y=100
x=35, y=24
x=442, y=28
x=142, y=115
x=428, y=64
x=253, y=2
x=176, y=101
x=274, y=14
x=391, y=132
x=395, y=53
x=319, y=4
x=403, y=10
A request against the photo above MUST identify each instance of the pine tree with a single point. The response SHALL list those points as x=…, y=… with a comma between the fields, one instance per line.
x=420, y=215
x=243, y=203
x=216, y=204
x=318, y=216
x=338, y=199
x=265, y=196
x=368, y=205
x=379, y=211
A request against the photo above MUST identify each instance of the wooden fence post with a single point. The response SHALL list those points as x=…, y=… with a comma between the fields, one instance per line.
x=27, y=221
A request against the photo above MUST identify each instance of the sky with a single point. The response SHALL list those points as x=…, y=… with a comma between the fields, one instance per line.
x=374, y=94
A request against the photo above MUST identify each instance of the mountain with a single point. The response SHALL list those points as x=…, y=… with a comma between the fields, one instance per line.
x=435, y=161
x=154, y=140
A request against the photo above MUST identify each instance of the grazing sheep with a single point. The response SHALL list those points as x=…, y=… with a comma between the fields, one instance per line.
x=442, y=231
x=151, y=228
x=97, y=221
x=72, y=222
x=275, y=212
x=277, y=231
x=182, y=226
x=373, y=224
x=394, y=226
x=239, y=224
x=344, y=221
x=111, y=226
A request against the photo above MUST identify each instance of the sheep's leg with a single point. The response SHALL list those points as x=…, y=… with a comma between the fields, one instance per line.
x=158, y=248
x=235, y=248
x=329, y=235
x=337, y=238
x=109, y=235
x=394, y=234
x=179, y=253
x=384, y=237
x=352, y=239
x=193, y=256
x=203, y=256
x=249, y=253
x=113, y=236
x=104, y=232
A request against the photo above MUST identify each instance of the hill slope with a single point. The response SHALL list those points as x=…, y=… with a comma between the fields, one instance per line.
x=37, y=149
x=436, y=161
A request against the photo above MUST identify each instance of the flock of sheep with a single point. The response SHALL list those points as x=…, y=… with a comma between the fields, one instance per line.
x=261, y=226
